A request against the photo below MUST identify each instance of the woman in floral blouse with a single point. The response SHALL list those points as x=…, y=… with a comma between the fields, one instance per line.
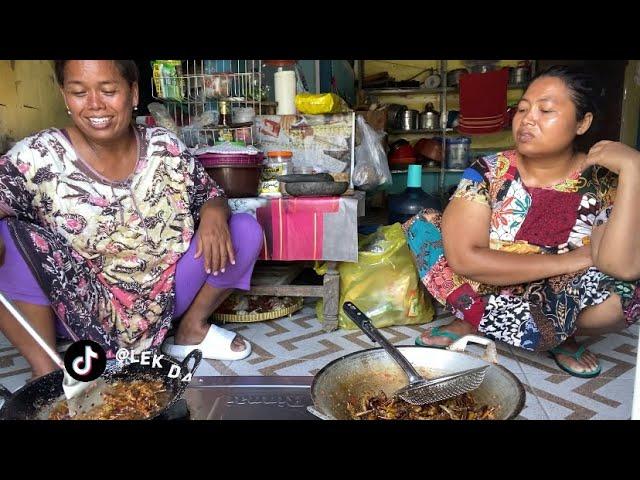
x=531, y=250
x=110, y=231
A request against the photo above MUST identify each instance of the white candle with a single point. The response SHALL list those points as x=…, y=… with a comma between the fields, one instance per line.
x=285, y=83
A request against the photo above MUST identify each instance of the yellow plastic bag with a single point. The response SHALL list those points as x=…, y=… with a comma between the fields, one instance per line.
x=320, y=103
x=384, y=284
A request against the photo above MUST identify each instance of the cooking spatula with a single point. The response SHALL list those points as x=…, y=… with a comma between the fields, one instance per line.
x=81, y=396
x=420, y=391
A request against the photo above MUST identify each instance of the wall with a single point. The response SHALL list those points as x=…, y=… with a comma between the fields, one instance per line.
x=629, y=128
x=29, y=98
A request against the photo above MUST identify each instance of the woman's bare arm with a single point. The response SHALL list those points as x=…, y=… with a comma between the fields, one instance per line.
x=616, y=244
x=465, y=232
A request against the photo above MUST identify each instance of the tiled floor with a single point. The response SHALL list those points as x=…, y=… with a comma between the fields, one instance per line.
x=297, y=345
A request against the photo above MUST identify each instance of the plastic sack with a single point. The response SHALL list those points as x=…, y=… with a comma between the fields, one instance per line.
x=320, y=103
x=384, y=283
x=371, y=166
x=162, y=117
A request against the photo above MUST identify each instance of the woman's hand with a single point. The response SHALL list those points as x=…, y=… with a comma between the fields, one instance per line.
x=577, y=259
x=614, y=156
x=214, y=239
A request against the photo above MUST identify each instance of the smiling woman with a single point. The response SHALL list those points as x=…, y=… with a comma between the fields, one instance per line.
x=114, y=230
x=100, y=97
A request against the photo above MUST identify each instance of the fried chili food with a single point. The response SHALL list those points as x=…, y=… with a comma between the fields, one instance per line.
x=123, y=400
x=379, y=407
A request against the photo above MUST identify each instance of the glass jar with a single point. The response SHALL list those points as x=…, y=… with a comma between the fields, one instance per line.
x=277, y=163
x=280, y=157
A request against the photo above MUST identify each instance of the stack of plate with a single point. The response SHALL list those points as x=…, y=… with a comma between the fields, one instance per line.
x=476, y=125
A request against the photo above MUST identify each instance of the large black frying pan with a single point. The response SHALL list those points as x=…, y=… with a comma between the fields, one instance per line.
x=35, y=399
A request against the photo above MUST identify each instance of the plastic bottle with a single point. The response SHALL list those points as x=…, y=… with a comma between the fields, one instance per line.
x=405, y=205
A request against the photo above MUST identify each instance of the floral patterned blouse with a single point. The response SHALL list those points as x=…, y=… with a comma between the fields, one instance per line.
x=105, y=251
x=525, y=219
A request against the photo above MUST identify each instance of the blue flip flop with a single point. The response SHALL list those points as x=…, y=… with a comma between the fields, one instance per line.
x=577, y=355
x=436, y=332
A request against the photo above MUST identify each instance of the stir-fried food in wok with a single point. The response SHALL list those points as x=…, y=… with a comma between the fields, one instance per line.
x=380, y=407
x=123, y=400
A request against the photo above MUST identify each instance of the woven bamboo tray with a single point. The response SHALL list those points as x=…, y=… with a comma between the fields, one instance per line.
x=259, y=317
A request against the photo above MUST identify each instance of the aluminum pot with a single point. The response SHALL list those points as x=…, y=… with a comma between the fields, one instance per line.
x=394, y=111
x=453, y=76
x=409, y=120
x=429, y=119
x=349, y=378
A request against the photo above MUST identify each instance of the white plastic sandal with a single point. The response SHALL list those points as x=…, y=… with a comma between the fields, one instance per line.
x=215, y=346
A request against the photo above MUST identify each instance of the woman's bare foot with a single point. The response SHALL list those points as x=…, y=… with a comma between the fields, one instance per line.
x=585, y=363
x=457, y=327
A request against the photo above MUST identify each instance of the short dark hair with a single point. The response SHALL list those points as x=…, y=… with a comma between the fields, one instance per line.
x=127, y=68
x=582, y=86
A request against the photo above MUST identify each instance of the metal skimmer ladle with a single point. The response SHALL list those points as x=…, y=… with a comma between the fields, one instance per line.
x=81, y=396
x=420, y=391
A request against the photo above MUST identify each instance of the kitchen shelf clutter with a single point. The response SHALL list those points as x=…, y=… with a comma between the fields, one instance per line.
x=209, y=101
x=434, y=82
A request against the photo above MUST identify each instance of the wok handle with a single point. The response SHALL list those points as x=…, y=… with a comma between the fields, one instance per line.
x=5, y=393
x=364, y=323
x=490, y=352
x=195, y=355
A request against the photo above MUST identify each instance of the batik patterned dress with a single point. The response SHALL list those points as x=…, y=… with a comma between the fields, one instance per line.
x=547, y=221
x=104, y=251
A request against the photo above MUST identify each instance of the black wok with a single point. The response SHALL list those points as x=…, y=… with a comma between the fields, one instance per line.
x=35, y=399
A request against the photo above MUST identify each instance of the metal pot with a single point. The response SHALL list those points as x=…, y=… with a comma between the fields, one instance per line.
x=409, y=120
x=429, y=119
x=394, y=111
x=453, y=76
x=369, y=371
x=35, y=399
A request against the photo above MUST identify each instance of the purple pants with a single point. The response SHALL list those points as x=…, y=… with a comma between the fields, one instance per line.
x=18, y=283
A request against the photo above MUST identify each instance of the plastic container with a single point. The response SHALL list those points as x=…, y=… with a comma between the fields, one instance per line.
x=279, y=156
x=238, y=181
x=405, y=205
x=210, y=160
x=458, y=154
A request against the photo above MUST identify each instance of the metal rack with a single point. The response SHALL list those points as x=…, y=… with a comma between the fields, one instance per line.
x=443, y=91
x=198, y=88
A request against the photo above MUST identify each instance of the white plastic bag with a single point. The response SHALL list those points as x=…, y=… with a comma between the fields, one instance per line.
x=372, y=168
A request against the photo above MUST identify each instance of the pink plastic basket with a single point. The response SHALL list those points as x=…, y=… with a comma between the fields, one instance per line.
x=209, y=160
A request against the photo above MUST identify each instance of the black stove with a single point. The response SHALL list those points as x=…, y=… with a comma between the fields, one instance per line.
x=245, y=398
